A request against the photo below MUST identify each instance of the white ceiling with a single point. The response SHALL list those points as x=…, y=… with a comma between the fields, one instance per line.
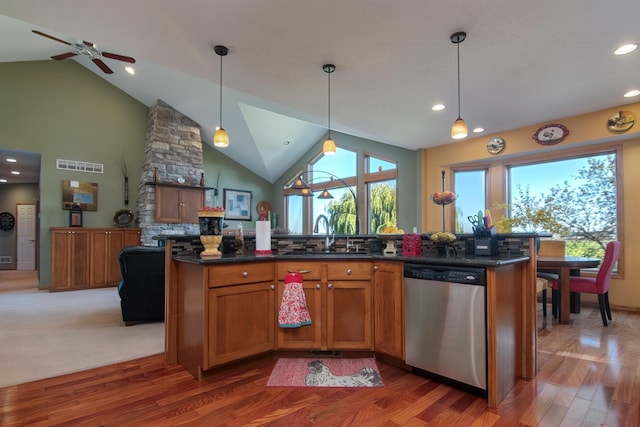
x=524, y=62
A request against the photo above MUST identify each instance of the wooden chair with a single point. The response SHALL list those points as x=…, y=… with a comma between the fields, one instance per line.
x=599, y=285
x=541, y=286
x=549, y=248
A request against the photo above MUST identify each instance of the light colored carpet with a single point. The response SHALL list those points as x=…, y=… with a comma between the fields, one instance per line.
x=47, y=334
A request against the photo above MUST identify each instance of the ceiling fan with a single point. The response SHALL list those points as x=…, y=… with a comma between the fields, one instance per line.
x=89, y=49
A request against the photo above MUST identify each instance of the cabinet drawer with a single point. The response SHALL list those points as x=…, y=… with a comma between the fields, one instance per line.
x=238, y=274
x=311, y=270
x=349, y=270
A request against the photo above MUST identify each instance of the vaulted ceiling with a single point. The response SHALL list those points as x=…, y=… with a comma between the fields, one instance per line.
x=523, y=63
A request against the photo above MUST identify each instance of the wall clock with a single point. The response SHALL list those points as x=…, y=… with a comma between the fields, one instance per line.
x=621, y=121
x=7, y=221
x=550, y=134
x=495, y=145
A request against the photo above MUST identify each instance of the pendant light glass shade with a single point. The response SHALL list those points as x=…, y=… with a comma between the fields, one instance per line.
x=325, y=195
x=221, y=138
x=329, y=145
x=459, y=129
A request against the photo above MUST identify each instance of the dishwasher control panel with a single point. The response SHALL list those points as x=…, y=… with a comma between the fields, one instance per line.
x=472, y=276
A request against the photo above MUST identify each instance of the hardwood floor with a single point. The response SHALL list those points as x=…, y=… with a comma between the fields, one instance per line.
x=589, y=375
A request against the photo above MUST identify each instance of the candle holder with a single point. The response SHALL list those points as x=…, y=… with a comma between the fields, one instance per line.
x=210, y=221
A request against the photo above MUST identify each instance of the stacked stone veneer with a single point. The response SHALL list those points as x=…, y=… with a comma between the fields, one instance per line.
x=174, y=147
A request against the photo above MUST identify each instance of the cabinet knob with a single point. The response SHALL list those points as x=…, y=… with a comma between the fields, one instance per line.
x=245, y=274
x=375, y=268
x=329, y=286
x=349, y=271
x=317, y=285
x=272, y=287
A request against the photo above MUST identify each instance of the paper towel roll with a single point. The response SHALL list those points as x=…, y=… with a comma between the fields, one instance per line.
x=263, y=237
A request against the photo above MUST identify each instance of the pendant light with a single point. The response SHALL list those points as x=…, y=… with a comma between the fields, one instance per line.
x=459, y=129
x=220, y=138
x=329, y=145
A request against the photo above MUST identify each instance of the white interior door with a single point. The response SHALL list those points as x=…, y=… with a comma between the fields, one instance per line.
x=26, y=232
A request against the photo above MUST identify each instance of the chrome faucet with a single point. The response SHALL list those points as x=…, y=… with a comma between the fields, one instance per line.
x=327, y=242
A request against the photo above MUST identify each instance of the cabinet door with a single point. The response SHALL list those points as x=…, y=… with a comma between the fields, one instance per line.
x=304, y=337
x=69, y=259
x=191, y=199
x=240, y=321
x=132, y=237
x=105, y=245
x=349, y=323
x=388, y=301
x=167, y=204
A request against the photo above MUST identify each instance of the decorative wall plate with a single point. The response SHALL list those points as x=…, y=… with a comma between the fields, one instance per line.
x=621, y=121
x=550, y=134
x=123, y=217
x=7, y=221
x=495, y=145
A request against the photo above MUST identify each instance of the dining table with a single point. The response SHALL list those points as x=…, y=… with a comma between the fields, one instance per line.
x=565, y=265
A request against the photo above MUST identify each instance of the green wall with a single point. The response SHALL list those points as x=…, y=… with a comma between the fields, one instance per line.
x=63, y=111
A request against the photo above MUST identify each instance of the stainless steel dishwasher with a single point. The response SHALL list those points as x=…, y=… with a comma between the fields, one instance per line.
x=445, y=323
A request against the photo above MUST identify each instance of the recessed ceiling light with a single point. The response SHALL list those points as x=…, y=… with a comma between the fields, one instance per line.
x=10, y=160
x=15, y=173
x=626, y=48
x=438, y=107
x=130, y=70
x=287, y=143
x=632, y=93
x=3, y=180
x=478, y=130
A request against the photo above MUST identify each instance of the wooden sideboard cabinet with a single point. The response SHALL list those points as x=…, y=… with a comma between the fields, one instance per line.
x=178, y=204
x=339, y=299
x=83, y=258
x=388, y=308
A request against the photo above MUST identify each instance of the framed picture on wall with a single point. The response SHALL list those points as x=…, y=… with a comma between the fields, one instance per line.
x=237, y=204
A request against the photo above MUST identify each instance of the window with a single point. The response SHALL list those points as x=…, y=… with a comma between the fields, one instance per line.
x=470, y=187
x=575, y=198
x=380, y=182
x=337, y=175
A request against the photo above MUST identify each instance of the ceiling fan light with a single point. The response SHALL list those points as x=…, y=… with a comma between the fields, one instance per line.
x=220, y=138
x=329, y=147
x=459, y=129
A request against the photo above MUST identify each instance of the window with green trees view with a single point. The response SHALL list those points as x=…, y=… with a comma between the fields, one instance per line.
x=574, y=198
x=337, y=174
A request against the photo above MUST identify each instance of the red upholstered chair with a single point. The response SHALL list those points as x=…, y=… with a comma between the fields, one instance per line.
x=599, y=285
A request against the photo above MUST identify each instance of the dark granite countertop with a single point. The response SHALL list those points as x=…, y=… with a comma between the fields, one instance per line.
x=469, y=261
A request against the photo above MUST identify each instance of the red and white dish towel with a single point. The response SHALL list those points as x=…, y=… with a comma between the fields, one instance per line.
x=293, y=308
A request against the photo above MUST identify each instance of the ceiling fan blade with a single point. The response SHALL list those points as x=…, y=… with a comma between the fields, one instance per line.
x=64, y=56
x=102, y=66
x=119, y=57
x=88, y=43
x=50, y=37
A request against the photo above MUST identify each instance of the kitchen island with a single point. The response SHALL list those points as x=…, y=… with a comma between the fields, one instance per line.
x=223, y=310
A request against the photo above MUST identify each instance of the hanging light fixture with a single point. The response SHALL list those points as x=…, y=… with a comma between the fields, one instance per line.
x=220, y=138
x=329, y=145
x=459, y=129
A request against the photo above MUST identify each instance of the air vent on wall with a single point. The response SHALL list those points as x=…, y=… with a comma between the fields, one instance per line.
x=5, y=259
x=73, y=165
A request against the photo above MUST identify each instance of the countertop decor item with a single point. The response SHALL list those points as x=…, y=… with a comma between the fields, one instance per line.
x=495, y=145
x=550, y=134
x=444, y=238
x=621, y=121
x=210, y=220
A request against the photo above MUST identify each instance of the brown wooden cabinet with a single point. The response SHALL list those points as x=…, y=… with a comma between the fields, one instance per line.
x=339, y=300
x=83, y=258
x=69, y=258
x=178, y=204
x=388, y=308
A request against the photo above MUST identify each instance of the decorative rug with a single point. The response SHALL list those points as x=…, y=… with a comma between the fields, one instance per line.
x=323, y=372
